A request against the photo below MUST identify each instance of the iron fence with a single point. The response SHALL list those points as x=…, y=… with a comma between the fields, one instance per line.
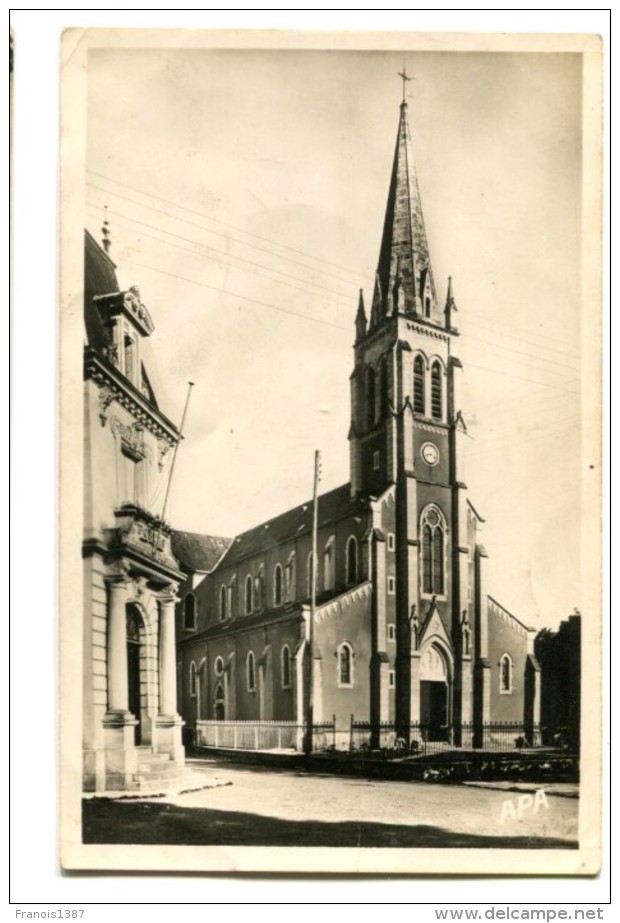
x=263, y=735
x=425, y=738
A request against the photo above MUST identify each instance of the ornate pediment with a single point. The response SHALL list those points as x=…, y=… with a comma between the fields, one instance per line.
x=433, y=626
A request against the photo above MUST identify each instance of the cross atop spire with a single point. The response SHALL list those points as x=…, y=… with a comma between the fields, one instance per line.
x=405, y=279
x=403, y=75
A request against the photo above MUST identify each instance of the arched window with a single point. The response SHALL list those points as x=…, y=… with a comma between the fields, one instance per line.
x=192, y=679
x=418, y=384
x=427, y=307
x=433, y=535
x=328, y=566
x=505, y=673
x=250, y=670
x=436, y=396
x=289, y=579
x=370, y=396
x=223, y=603
x=258, y=593
x=248, y=594
x=351, y=562
x=277, y=586
x=309, y=576
x=286, y=667
x=384, y=396
x=219, y=703
x=345, y=664
x=189, y=611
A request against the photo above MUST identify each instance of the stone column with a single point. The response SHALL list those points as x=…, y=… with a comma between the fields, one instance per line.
x=168, y=723
x=121, y=760
x=167, y=653
x=117, y=641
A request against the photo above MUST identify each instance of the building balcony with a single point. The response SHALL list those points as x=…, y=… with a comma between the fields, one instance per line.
x=137, y=529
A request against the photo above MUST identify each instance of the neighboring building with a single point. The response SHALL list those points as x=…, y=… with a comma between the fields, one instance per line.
x=559, y=653
x=197, y=556
x=404, y=629
x=131, y=728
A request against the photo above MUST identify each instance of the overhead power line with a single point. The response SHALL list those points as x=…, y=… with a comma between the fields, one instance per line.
x=225, y=224
x=243, y=243
x=306, y=282
x=224, y=253
x=317, y=320
x=215, y=288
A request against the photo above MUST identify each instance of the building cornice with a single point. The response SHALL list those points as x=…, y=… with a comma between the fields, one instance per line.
x=113, y=386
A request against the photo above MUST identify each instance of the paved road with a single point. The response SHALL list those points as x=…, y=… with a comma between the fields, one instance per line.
x=291, y=807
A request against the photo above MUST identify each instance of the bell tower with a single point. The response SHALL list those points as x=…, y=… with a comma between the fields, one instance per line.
x=406, y=430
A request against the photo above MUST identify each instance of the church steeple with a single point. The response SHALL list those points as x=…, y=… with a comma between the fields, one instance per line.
x=404, y=271
x=360, y=318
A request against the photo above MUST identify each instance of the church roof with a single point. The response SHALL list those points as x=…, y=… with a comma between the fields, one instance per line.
x=197, y=552
x=404, y=274
x=332, y=506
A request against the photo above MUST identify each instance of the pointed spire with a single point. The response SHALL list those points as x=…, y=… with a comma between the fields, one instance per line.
x=376, y=312
x=404, y=261
x=450, y=305
x=360, y=318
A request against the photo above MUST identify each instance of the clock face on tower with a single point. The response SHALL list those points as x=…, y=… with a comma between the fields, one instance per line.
x=430, y=453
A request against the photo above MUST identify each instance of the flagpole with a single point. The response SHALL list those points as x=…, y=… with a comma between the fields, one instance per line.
x=190, y=385
x=313, y=576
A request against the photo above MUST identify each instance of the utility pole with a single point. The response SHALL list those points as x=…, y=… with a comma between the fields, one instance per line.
x=313, y=575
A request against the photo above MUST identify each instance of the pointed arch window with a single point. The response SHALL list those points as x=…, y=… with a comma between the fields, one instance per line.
x=309, y=576
x=285, y=663
x=289, y=579
x=505, y=674
x=370, y=396
x=345, y=664
x=250, y=671
x=328, y=565
x=249, y=588
x=277, y=585
x=192, y=679
x=351, y=562
x=436, y=391
x=219, y=703
x=189, y=612
x=418, y=384
x=384, y=397
x=258, y=593
x=433, y=550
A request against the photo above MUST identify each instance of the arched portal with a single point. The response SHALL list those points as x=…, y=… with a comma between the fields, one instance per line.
x=434, y=692
x=135, y=659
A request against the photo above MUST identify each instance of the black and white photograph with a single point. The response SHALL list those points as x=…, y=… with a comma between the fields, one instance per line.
x=330, y=452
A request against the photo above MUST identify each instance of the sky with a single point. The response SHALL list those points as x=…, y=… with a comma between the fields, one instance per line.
x=246, y=193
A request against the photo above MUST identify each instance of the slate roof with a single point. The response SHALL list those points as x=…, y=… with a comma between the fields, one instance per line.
x=334, y=505
x=99, y=279
x=196, y=552
x=246, y=622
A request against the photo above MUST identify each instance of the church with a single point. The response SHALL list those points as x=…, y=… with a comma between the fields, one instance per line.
x=390, y=620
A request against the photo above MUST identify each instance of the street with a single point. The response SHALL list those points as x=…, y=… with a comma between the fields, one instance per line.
x=291, y=807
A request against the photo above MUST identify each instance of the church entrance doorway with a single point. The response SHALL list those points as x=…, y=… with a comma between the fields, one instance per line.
x=434, y=698
x=434, y=709
x=133, y=670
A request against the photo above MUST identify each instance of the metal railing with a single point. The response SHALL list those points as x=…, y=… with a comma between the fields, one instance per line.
x=428, y=738
x=263, y=735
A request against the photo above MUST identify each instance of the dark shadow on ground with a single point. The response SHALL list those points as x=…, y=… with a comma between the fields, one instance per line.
x=107, y=821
